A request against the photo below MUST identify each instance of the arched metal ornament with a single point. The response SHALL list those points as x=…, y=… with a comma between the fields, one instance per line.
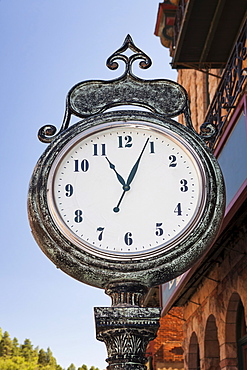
x=89, y=100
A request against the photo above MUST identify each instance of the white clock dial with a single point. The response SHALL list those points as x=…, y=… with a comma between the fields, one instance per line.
x=126, y=190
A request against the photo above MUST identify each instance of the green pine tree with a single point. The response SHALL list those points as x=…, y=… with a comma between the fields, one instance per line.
x=83, y=367
x=71, y=367
x=6, y=345
x=51, y=359
x=42, y=358
x=16, y=348
x=28, y=352
x=58, y=367
x=24, y=357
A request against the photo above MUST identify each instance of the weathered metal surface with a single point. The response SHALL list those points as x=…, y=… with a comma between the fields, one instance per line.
x=126, y=328
x=126, y=331
x=160, y=96
x=163, y=97
x=126, y=293
x=98, y=271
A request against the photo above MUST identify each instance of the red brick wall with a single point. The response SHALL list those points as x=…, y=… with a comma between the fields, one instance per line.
x=200, y=88
x=166, y=349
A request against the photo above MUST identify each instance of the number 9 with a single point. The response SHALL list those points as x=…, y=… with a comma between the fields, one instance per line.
x=69, y=190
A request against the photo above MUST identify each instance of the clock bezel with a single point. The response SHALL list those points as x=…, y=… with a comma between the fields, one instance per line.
x=98, y=270
x=110, y=254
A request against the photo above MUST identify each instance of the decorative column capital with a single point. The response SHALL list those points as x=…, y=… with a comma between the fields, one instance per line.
x=126, y=331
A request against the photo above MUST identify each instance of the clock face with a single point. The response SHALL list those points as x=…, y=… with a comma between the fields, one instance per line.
x=126, y=190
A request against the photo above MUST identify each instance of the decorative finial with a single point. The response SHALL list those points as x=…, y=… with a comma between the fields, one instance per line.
x=137, y=54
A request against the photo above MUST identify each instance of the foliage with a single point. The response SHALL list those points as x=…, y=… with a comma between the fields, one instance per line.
x=6, y=345
x=71, y=367
x=15, y=356
x=84, y=367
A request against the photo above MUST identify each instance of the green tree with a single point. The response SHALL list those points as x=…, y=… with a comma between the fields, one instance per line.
x=51, y=359
x=42, y=358
x=71, y=367
x=83, y=367
x=15, y=363
x=6, y=345
x=16, y=348
x=24, y=357
x=94, y=368
x=28, y=352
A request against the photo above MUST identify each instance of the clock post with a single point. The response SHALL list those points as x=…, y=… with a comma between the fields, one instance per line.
x=126, y=328
x=126, y=200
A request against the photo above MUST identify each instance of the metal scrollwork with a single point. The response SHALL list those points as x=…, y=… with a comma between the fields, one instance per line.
x=47, y=133
x=139, y=54
x=88, y=98
x=227, y=93
x=208, y=131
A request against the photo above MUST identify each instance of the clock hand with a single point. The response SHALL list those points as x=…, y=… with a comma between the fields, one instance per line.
x=131, y=176
x=126, y=187
x=120, y=179
x=116, y=209
x=135, y=167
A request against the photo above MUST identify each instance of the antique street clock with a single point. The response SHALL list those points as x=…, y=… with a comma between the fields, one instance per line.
x=126, y=198
x=125, y=195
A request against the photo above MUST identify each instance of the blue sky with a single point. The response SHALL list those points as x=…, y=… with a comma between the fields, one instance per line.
x=47, y=46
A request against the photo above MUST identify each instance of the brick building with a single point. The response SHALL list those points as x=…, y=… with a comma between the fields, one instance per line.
x=207, y=42
x=166, y=350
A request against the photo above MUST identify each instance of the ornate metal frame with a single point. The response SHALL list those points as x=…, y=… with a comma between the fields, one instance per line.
x=88, y=98
x=126, y=328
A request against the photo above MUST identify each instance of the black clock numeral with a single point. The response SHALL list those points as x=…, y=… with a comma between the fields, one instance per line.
x=99, y=149
x=159, y=231
x=128, y=238
x=173, y=161
x=81, y=166
x=151, y=147
x=78, y=216
x=185, y=187
x=178, y=209
x=69, y=190
x=100, y=236
x=125, y=142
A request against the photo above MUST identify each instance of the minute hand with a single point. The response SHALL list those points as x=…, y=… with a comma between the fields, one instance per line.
x=126, y=187
x=135, y=167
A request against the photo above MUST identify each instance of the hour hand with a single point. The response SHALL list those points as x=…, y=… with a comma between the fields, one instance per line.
x=119, y=177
